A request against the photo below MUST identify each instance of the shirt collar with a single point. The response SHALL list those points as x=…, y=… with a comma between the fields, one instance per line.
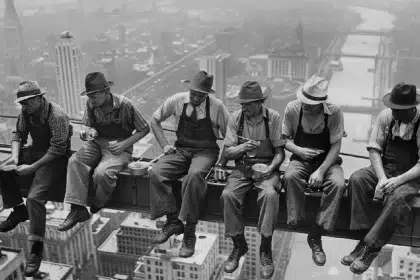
x=187, y=100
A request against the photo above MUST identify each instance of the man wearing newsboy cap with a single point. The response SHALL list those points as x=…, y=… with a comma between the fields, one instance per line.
x=119, y=125
x=199, y=117
x=394, y=151
x=44, y=162
x=313, y=129
x=263, y=127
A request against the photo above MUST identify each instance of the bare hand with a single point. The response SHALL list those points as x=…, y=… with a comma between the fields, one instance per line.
x=169, y=149
x=117, y=148
x=391, y=184
x=25, y=169
x=250, y=146
x=307, y=153
x=316, y=180
x=219, y=174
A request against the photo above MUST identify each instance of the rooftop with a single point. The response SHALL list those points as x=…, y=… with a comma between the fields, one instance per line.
x=136, y=220
x=205, y=241
x=56, y=271
x=110, y=244
x=10, y=255
x=97, y=222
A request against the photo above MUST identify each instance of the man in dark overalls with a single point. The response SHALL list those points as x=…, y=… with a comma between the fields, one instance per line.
x=313, y=129
x=119, y=125
x=198, y=119
x=263, y=126
x=395, y=170
x=44, y=162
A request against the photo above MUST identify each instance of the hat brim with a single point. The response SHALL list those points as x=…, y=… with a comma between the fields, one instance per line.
x=18, y=100
x=244, y=101
x=188, y=82
x=110, y=84
x=388, y=103
x=306, y=100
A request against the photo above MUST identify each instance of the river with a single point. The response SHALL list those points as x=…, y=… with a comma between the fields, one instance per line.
x=348, y=87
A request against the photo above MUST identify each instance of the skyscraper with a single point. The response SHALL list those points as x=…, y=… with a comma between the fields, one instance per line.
x=69, y=74
x=12, y=263
x=217, y=65
x=15, y=51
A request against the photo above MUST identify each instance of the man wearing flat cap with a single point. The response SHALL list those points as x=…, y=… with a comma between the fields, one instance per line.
x=393, y=174
x=253, y=137
x=199, y=117
x=119, y=125
x=313, y=129
x=44, y=162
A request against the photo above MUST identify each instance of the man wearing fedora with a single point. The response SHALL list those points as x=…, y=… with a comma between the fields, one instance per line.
x=262, y=125
x=313, y=129
x=395, y=170
x=119, y=125
x=199, y=117
x=44, y=162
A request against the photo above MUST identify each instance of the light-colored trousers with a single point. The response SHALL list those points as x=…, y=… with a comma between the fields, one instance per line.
x=94, y=154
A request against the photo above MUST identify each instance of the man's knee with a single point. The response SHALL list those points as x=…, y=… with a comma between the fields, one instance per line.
x=227, y=194
x=269, y=194
x=403, y=193
x=194, y=174
x=291, y=176
x=36, y=197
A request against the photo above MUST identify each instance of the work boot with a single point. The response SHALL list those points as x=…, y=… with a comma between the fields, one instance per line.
x=171, y=227
x=266, y=258
x=364, y=260
x=18, y=215
x=318, y=254
x=78, y=214
x=188, y=242
x=240, y=248
x=94, y=209
x=349, y=259
x=34, y=262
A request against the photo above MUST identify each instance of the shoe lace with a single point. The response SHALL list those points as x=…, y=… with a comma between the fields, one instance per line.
x=34, y=259
x=316, y=244
x=266, y=259
x=235, y=254
x=368, y=255
x=359, y=248
x=188, y=241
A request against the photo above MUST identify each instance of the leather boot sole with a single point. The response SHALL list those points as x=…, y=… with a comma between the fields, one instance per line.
x=72, y=225
x=356, y=271
x=233, y=270
x=343, y=262
x=317, y=263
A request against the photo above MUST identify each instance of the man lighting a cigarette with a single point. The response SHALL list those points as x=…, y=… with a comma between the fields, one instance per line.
x=313, y=129
x=395, y=170
x=253, y=139
x=119, y=125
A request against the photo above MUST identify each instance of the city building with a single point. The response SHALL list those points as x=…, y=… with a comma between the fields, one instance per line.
x=122, y=249
x=15, y=50
x=12, y=263
x=101, y=229
x=217, y=65
x=163, y=262
x=70, y=75
x=288, y=63
x=75, y=247
x=257, y=65
x=405, y=263
x=54, y=271
x=115, y=217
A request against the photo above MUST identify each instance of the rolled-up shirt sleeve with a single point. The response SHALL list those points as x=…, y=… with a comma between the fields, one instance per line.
x=336, y=122
x=138, y=122
x=166, y=110
x=20, y=134
x=223, y=119
x=379, y=132
x=276, y=131
x=231, y=139
x=59, y=125
x=287, y=126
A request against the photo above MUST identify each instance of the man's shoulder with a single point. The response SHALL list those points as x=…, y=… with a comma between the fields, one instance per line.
x=273, y=113
x=236, y=115
x=57, y=110
x=215, y=101
x=333, y=108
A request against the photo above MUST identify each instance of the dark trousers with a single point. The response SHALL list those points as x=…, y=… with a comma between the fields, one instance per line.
x=42, y=182
x=295, y=179
x=396, y=210
x=237, y=186
x=194, y=164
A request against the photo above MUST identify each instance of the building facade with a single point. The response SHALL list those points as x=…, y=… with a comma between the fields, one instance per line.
x=217, y=65
x=70, y=75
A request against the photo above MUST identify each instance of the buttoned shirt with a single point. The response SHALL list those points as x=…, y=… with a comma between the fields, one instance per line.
x=174, y=105
x=313, y=125
x=381, y=127
x=255, y=130
x=130, y=116
x=59, y=125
